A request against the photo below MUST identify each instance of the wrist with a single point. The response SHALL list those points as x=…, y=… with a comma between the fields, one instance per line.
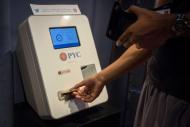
x=101, y=79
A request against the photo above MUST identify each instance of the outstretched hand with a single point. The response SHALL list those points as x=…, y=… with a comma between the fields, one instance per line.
x=88, y=90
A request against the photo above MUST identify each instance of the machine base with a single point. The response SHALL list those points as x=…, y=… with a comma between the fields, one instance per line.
x=103, y=115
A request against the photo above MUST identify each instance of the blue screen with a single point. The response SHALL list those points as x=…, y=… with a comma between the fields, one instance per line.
x=64, y=37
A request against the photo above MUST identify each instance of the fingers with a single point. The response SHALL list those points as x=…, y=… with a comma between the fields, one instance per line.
x=134, y=40
x=78, y=85
x=85, y=94
x=133, y=34
x=81, y=90
x=127, y=39
x=87, y=90
x=137, y=10
x=123, y=38
x=85, y=97
x=128, y=43
x=88, y=98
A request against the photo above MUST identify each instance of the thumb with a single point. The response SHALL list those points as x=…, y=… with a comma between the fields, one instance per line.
x=137, y=10
x=78, y=85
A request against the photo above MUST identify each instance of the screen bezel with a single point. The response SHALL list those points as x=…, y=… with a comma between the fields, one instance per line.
x=65, y=27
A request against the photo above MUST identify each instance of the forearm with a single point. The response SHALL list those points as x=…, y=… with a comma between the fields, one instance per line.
x=130, y=59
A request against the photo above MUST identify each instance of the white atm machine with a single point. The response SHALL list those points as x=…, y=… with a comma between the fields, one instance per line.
x=54, y=53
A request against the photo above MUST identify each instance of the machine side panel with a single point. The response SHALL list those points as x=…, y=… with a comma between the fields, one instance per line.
x=28, y=71
x=38, y=85
x=21, y=56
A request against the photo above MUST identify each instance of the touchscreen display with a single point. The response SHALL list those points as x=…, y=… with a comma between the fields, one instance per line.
x=64, y=37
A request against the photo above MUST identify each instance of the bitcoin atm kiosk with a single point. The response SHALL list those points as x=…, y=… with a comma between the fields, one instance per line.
x=54, y=53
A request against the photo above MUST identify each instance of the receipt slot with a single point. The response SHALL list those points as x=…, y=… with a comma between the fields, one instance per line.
x=55, y=53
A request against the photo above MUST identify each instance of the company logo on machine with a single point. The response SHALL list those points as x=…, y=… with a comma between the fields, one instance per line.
x=74, y=55
x=63, y=56
x=70, y=55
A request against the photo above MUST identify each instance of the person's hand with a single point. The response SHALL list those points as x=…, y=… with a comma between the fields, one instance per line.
x=88, y=90
x=150, y=31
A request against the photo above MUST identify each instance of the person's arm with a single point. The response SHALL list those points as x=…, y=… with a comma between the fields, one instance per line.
x=128, y=60
x=89, y=89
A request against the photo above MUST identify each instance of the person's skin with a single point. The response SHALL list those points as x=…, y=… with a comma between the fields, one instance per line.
x=151, y=30
x=150, y=27
x=89, y=89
